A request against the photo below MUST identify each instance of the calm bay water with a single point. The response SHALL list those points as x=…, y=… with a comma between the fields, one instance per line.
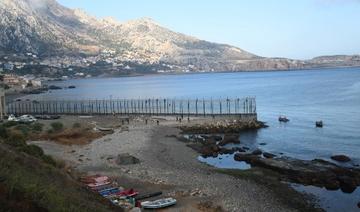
x=303, y=96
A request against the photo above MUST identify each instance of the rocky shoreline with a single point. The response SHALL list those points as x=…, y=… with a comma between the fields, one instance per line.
x=149, y=157
x=315, y=172
x=212, y=141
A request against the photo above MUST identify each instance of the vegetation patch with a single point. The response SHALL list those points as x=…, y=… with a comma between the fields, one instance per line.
x=73, y=136
x=29, y=184
x=57, y=126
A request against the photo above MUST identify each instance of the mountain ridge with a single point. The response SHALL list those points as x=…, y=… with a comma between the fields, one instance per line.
x=50, y=30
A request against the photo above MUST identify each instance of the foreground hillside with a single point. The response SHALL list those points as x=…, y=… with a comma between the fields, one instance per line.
x=32, y=181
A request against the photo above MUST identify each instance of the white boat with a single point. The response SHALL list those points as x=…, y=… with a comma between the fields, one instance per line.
x=104, y=129
x=12, y=118
x=160, y=203
x=27, y=119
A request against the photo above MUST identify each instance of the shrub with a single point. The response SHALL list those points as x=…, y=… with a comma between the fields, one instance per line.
x=3, y=132
x=57, y=126
x=23, y=128
x=76, y=125
x=10, y=124
x=16, y=140
x=37, y=127
x=33, y=150
x=48, y=159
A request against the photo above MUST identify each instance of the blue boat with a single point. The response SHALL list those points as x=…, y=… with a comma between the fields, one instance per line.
x=109, y=191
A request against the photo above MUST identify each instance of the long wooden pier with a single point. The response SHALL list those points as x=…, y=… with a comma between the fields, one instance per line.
x=189, y=107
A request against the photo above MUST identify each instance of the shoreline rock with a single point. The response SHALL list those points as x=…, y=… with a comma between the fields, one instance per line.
x=229, y=139
x=316, y=172
x=126, y=159
x=341, y=158
x=223, y=127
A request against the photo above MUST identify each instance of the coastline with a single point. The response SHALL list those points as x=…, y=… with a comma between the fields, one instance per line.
x=169, y=165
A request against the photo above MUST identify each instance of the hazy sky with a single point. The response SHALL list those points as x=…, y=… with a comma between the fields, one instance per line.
x=275, y=28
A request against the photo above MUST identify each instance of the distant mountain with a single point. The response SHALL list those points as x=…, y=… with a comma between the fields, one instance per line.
x=54, y=32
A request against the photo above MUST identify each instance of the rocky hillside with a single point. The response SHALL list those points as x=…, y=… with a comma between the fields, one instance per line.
x=53, y=32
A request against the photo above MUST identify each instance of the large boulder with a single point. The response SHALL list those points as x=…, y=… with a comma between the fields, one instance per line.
x=257, y=152
x=268, y=155
x=230, y=139
x=126, y=159
x=347, y=184
x=212, y=137
x=341, y=158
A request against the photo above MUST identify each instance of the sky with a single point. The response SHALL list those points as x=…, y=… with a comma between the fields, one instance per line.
x=299, y=29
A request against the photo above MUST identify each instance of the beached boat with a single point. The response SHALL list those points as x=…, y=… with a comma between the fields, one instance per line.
x=160, y=203
x=104, y=129
x=98, y=185
x=149, y=195
x=283, y=119
x=319, y=124
x=126, y=193
x=109, y=191
x=94, y=179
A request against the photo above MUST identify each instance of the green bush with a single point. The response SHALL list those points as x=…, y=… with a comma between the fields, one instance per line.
x=76, y=125
x=33, y=150
x=57, y=126
x=37, y=152
x=16, y=140
x=10, y=124
x=37, y=127
x=48, y=159
x=3, y=132
x=23, y=128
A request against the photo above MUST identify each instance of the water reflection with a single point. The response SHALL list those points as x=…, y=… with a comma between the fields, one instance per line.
x=332, y=201
x=225, y=162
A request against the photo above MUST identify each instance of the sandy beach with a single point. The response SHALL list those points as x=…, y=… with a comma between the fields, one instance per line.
x=167, y=165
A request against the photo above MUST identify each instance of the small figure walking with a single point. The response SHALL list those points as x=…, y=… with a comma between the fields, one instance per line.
x=157, y=122
x=146, y=121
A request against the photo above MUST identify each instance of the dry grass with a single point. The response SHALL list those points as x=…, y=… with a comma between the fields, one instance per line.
x=73, y=136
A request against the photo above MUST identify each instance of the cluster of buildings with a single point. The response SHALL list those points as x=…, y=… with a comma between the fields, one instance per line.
x=12, y=80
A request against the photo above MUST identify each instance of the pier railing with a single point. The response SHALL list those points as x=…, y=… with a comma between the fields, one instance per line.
x=190, y=107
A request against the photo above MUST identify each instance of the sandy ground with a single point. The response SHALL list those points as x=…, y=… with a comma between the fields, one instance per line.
x=166, y=165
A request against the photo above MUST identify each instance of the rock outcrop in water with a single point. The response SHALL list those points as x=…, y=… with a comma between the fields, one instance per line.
x=341, y=158
x=316, y=172
x=223, y=127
